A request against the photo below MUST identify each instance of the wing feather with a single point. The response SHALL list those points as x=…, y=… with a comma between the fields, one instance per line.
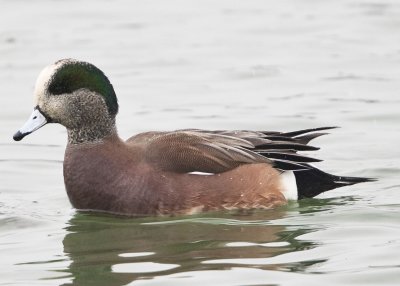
x=196, y=150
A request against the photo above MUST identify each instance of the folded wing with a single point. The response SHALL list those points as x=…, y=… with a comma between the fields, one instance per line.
x=193, y=150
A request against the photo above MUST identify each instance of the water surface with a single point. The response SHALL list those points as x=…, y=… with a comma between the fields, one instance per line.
x=259, y=65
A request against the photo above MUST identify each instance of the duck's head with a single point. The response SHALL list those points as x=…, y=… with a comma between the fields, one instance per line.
x=77, y=95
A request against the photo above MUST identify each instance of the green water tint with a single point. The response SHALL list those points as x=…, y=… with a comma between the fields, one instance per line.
x=96, y=245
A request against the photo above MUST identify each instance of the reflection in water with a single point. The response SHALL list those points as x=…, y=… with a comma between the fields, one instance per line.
x=114, y=251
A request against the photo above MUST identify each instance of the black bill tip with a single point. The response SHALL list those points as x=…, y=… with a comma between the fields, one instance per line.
x=18, y=136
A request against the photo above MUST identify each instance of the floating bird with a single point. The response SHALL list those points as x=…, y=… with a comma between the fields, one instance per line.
x=167, y=173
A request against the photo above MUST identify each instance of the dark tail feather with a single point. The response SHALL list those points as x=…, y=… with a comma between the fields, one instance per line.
x=285, y=145
x=288, y=166
x=304, y=131
x=287, y=156
x=305, y=139
x=312, y=182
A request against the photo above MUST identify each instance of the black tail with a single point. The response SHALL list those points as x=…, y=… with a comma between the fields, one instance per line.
x=311, y=182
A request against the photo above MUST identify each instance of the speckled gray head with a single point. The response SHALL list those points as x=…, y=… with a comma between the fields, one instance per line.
x=75, y=94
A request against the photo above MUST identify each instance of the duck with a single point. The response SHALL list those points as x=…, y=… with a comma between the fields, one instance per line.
x=179, y=172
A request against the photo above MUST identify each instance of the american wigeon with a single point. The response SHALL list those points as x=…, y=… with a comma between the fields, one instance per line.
x=177, y=172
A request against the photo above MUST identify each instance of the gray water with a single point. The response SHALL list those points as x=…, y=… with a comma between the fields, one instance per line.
x=259, y=65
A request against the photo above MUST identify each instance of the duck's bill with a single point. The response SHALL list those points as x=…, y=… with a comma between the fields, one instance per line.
x=35, y=121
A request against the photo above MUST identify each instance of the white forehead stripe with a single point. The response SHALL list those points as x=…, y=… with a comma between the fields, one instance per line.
x=43, y=80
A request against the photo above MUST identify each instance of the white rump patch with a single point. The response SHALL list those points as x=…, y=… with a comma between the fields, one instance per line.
x=201, y=173
x=289, y=184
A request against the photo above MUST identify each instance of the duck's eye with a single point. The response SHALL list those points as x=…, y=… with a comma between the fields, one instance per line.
x=34, y=117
